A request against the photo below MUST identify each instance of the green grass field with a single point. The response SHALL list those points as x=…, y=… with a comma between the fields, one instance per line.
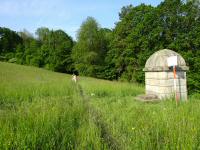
x=40, y=109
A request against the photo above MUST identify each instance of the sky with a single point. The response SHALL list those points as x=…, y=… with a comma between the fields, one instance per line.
x=62, y=14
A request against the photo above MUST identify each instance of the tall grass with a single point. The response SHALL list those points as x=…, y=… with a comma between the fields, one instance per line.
x=139, y=125
x=40, y=109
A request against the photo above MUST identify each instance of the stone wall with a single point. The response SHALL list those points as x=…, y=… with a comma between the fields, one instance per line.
x=161, y=84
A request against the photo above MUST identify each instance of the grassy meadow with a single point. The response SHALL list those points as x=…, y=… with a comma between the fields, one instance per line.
x=40, y=109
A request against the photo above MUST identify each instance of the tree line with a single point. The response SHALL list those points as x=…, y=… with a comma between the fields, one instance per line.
x=113, y=54
x=49, y=49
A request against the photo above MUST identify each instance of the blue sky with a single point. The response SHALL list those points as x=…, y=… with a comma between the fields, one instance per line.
x=61, y=14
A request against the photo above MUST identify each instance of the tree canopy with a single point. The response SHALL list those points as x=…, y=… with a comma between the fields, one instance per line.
x=91, y=47
x=115, y=54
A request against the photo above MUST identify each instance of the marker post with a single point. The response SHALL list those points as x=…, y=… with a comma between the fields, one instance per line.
x=175, y=93
x=172, y=62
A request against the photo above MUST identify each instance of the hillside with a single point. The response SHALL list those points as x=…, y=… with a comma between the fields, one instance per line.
x=40, y=109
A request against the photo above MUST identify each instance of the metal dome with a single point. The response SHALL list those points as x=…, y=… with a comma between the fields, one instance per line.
x=158, y=61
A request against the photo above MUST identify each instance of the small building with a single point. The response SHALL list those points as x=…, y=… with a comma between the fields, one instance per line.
x=159, y=78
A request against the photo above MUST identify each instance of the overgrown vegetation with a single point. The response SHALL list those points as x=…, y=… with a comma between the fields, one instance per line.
x=40, y=109
x=117, y=54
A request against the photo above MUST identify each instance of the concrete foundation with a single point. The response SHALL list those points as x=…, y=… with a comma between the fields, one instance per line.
x=161, y=84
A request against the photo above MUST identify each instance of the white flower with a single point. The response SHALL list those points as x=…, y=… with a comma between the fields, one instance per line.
x=92, y=94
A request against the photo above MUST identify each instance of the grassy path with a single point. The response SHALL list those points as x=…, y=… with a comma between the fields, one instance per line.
x=40, y=109
x=96, y=116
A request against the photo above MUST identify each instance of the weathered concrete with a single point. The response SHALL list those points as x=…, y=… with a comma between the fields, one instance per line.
x=147, y=98
x=159, y=77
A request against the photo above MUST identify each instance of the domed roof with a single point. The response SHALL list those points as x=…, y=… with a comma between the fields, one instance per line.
x=158, y=61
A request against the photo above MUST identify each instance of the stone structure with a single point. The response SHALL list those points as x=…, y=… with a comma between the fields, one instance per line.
x=159, y=77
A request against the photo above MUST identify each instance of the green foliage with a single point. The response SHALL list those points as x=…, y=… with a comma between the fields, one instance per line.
x=8, y=40
x=12, y=60
x=143, y=29
x=91, y=47
x=51, y=49
x=130, y=43
x=61, y=55
x=9, y=55
x=118, y=54
x=55, y=50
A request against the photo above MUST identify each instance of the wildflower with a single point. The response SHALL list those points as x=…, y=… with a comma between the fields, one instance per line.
x=92, y=94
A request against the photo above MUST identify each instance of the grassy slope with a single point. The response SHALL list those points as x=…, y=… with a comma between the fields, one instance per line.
x=43, y=109
x=40, y=109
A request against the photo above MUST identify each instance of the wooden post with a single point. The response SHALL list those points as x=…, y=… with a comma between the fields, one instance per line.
x=175, y=92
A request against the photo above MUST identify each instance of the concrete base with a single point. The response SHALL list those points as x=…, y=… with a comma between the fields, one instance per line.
x=161, y=84
x=147, y=98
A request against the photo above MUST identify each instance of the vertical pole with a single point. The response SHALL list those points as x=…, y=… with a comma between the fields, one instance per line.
x=176, y=96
